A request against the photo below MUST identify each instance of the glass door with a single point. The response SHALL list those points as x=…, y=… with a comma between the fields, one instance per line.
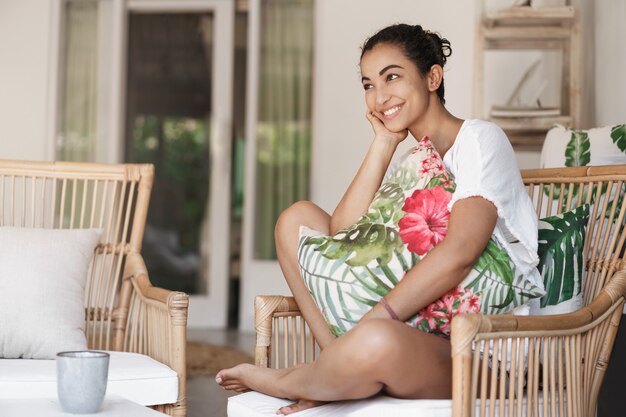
x=178, y=100
x=151, y=81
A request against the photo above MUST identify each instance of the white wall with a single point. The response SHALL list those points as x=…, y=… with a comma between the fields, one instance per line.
x=610, y=62
x=24, y=63
x=342, y=134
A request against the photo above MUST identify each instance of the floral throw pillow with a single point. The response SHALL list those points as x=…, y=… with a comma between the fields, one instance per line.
x=561, y=244
x=349, y=272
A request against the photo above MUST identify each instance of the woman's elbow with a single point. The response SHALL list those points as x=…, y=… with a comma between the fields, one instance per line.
x=462, y=256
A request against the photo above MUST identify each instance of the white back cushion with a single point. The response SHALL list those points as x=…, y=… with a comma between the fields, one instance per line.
x=42, y=286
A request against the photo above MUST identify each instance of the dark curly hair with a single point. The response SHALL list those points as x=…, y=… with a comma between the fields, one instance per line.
x=421, y=46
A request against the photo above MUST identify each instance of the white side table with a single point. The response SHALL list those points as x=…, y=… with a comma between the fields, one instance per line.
x=112, y=406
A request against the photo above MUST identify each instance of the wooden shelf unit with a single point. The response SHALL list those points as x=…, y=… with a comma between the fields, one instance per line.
x=527, y=28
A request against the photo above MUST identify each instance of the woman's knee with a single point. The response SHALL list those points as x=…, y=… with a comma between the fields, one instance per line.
x=290, y=216
x=373, y=341
x=297, y=214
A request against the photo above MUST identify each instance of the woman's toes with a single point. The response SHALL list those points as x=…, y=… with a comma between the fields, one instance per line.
x=219, y=378
x=226, y=375
x=233, y=378
x=299, y=406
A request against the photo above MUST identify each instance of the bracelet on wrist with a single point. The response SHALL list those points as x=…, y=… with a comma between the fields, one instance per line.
x=390, y=311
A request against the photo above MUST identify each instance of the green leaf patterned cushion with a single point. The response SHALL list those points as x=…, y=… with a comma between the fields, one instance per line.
x=349, y=272
x=561, y=242
x=598, y=146
x=562, y=147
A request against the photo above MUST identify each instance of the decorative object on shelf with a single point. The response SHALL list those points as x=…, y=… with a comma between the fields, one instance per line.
x=526, y=105
x=505, y=111
x=532, y=27
x=537, y=4
x=493, y=6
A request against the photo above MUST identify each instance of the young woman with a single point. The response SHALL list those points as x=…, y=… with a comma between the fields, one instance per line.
x=403, y=82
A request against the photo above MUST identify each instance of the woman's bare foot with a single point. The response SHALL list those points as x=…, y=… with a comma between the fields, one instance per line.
x=241, y=379
x=233, y=378
x=299, y=406
x=246, y=377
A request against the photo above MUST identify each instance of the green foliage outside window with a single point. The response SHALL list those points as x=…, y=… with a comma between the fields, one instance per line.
x=178, y=147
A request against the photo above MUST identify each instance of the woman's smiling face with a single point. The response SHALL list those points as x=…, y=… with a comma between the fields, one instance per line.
x=395, y=91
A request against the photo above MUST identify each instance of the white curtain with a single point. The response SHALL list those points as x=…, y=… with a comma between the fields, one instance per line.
x=78, y=127
x=284, y=119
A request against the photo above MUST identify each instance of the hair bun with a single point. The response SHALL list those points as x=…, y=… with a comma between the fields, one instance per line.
x=442, y=46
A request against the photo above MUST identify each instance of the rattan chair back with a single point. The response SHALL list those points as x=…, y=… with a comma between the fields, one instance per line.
x=113, y=198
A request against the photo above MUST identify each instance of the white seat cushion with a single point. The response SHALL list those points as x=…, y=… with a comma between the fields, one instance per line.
x=254, y=404
x=135, y=377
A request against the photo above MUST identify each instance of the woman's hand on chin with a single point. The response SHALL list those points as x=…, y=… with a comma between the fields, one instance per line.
x=380, y=131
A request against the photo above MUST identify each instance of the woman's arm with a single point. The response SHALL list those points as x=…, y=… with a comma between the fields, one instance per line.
x=471, y=224
x=363, y=187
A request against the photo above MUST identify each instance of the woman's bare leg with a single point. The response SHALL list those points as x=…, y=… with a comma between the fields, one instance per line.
x=302, y=213
x=376, y=355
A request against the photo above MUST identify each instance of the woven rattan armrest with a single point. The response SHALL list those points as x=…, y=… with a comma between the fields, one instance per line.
x=157, y=324
x=468, y=325
x=136, y=269
x=265, y=308
x=470, y=329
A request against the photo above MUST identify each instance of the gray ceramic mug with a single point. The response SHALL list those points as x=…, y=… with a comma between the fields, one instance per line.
x=82, y=380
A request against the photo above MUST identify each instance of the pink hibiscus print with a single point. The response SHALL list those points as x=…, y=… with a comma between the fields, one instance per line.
x=437, y=317
x=423, y=144
x=432, y=165
x=425, y=223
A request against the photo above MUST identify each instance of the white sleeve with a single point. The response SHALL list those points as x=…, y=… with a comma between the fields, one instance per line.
x=484, y=165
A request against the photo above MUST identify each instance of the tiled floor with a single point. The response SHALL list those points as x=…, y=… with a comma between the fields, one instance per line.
x=205, y=398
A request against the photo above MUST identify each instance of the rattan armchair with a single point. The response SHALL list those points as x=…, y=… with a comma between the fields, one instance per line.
x=556, y=362
x=123, y=311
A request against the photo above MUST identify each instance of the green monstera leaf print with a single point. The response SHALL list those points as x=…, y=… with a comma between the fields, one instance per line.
x=362, y=243
x=494, y=261
x=577, y=152
x=344, y=293
x=406, y=176
x=386, y=205
x=618, y=135
x=561, y=241
x=493, y=276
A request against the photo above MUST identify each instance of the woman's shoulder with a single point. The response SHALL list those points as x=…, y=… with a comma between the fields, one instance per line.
x=485, y=135
x=483, y=129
